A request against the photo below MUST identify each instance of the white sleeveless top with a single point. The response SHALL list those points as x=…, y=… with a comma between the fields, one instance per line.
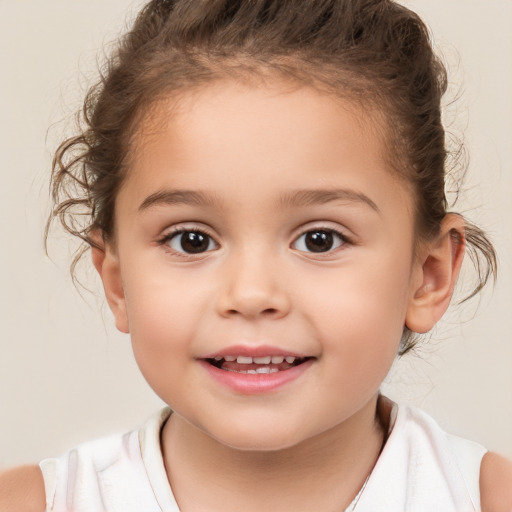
x=420, y=469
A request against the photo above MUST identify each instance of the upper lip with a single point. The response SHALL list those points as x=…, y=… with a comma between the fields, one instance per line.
x=254, y=351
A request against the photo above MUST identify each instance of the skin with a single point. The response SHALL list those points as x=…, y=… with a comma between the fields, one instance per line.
x=246, y=150
x=22, y=490
x=256, y=287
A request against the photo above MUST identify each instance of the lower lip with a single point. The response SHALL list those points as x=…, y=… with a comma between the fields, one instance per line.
x=256, y=384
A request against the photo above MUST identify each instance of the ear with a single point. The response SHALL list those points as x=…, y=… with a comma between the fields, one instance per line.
x=438, y=269
x=106, y=262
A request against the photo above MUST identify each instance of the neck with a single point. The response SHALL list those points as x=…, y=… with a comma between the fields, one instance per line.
x=207, y=475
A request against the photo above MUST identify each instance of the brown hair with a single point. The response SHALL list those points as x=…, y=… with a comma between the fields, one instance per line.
x=375, y=52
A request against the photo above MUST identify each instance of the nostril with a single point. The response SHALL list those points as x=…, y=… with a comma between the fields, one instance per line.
x=265, y=312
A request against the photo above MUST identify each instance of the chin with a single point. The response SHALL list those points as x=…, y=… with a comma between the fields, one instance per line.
x=259, y=445
x=262, y=439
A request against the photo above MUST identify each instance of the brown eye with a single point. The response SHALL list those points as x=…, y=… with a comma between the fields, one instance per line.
x=319, y=240
x=191, y=242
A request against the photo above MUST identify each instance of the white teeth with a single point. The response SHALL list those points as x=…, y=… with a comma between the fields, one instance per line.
x=262, y=360
x=257, y=360
x=265, y=370
x=243, y=360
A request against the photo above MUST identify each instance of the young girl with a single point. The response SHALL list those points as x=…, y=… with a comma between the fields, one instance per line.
x=263, y=188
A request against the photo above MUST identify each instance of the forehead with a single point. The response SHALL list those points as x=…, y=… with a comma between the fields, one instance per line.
x=221, y=101
x=279, y=135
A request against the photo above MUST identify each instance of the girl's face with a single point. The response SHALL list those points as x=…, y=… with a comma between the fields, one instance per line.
x=262, y=224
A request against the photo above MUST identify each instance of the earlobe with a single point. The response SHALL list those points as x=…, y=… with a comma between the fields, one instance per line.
x=106, y=263
x=438, y=269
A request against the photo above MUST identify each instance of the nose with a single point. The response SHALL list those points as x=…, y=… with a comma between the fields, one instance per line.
x=252, y=288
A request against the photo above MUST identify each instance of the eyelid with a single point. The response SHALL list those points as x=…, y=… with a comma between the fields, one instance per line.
x=187, y=226
x=320, y=225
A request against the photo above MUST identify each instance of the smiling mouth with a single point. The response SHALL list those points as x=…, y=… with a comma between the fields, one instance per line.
x=256, y=365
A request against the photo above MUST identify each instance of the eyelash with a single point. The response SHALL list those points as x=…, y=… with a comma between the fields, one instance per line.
x=201, y=231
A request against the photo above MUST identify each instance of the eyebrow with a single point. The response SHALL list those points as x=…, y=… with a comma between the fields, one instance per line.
x=301, y=198
x=170, y=197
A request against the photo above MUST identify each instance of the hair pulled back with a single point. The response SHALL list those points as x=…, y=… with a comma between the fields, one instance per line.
x=374, y=52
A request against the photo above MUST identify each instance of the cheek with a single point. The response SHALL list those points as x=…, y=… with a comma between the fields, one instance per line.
x=361, y=313
x=361, y=340
x=164, y=302
x=163, y=320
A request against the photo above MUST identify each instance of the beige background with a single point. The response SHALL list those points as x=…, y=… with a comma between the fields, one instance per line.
x=67, y=376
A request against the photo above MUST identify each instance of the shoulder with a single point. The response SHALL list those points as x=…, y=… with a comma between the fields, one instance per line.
x=22, y=490
x=496, y=483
